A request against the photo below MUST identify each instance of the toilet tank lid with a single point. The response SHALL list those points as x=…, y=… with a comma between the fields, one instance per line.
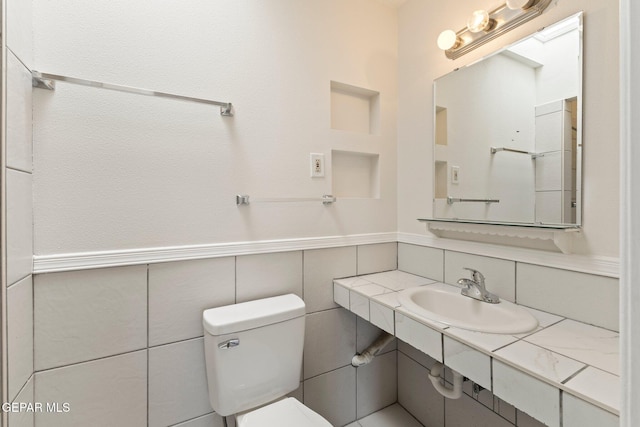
x=252, y=314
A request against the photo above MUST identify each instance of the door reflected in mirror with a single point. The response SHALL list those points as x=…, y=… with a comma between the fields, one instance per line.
x=507, y=143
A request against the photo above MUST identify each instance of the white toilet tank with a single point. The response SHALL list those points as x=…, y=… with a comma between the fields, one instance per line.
x=253, y=352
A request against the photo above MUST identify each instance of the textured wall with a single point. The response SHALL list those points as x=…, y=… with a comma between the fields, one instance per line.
x=118, y=171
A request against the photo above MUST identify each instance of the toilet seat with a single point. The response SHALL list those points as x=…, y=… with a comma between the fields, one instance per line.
x=287, y=412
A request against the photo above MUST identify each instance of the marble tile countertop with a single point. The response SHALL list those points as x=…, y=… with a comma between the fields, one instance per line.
x=579, y=359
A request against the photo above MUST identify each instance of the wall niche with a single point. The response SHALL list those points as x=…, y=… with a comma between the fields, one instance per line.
x=355, y=109
x=355, y=175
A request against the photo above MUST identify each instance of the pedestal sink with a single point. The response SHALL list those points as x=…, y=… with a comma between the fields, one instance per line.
x=444, y=304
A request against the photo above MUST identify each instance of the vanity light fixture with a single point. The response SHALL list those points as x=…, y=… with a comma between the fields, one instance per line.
x=484, y=26
x=448, y=39
x=480, y=21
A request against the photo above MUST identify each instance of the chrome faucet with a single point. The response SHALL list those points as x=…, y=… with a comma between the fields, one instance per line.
x=474, y=288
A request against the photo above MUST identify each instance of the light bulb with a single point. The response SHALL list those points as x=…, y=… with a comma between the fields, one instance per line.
x=448, y=39
x=479, y=21
x=520, y=4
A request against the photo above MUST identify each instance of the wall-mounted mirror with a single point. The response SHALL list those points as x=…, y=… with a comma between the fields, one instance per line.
x=507, y=143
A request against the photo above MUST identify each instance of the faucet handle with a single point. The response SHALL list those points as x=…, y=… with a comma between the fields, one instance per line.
x=477, y=276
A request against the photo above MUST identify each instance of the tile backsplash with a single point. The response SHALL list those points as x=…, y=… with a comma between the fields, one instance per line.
x=585, y=297
x=588, y=298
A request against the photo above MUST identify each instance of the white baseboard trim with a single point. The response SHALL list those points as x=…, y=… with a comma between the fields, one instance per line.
x=603, y=266
x=120, y=258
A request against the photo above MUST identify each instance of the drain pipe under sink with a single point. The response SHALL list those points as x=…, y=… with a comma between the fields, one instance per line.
x=372, y=351
x=451, y=393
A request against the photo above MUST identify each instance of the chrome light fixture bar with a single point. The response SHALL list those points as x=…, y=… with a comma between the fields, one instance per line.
x=483, y=26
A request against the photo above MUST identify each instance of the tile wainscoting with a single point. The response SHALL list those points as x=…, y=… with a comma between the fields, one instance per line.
x=124, y=345
x=127, y=337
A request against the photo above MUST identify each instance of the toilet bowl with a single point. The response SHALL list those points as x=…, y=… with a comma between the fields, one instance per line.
x=288, y=412
x=253, y=355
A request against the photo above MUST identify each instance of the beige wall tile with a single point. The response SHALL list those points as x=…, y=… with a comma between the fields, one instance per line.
x=180, y=291
x=421, y=260
x=19, y=226
x=24, y=418
x=377, y=257
x=268, y=275
x=101, y=393
x=19, y=334
x=321, y=266
x=333, y=395
x=19, y=115
x=84, y=315
x=584, y=297
x=330, y=341
x=20, y=29
x=417, y=395
x=178, y=389
x=377, y=384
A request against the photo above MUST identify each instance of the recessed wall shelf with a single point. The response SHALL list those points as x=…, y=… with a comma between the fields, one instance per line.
x=355, y=175
x=560, y=234
x=355, y=109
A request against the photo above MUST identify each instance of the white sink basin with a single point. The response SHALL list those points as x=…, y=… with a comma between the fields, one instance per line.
x=444, y=304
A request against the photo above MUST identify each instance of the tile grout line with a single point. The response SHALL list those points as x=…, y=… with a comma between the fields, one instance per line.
x=575, y=374
x=148, y=330
x=235, y=279
x=32, y=376
x=19, y=280
x=192, y=419
x=33, y=338
x=515, y=283
x=11, y=168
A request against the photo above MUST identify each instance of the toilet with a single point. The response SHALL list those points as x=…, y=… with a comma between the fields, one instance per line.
x=253, y=353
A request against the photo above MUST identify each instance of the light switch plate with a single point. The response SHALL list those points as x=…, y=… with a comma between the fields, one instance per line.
x=455, y=174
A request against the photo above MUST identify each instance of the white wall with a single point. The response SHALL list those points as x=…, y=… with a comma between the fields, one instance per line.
x=116, y=171
x=420, y=62
x=482, y=112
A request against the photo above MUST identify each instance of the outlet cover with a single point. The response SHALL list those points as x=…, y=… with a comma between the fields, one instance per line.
x=317, y=165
